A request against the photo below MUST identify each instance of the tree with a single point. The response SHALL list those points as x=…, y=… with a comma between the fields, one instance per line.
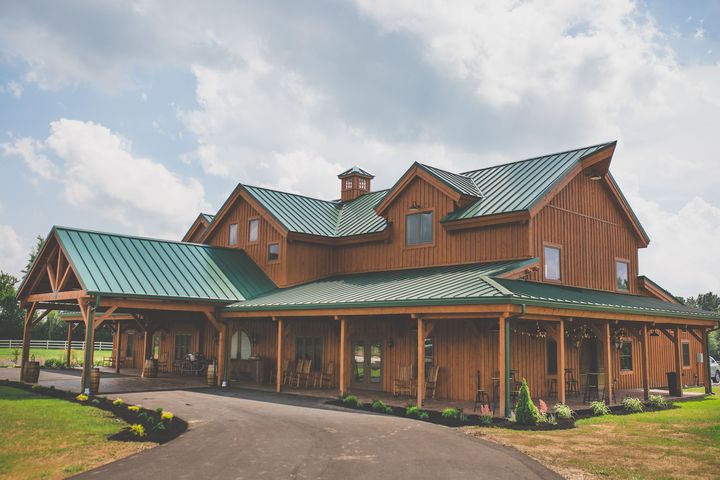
x=710, y=302
x=39, y=242
x=526, y=413
x=11, y=315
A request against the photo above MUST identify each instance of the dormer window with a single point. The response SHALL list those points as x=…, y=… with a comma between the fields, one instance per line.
x=551, y=262
x=418, y=228
x=253, y=230
x=233, y=234
x=348, y=183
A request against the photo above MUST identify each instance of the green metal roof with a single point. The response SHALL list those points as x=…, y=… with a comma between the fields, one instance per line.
x=301, y=214
x=356, y=171
x=462, y=184
x=208, y=218
x=455, y=285
x=120, y=265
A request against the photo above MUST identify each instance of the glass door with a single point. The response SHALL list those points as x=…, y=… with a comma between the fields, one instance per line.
x=367, y=364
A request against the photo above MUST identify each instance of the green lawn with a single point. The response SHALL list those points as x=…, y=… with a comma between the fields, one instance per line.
x=46, y=437
x=677, y=443
x=44, y=354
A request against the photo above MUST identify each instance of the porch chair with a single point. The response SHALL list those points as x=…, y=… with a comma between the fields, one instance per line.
x=303, y=375
x=327, y=377
x=431, y=382
x=571, y=385
x=288, y=371
x=403, y=381
x=481, y=395
x=163, y=361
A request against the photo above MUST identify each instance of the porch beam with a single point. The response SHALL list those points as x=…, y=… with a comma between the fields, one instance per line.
x=155, y=305
x=105, y=316
x=608, y=362
x=222, y=354
x=560, y=339
x=49, y=297
x=88, y=312
x=213, y=321
x=426, y=311
x=420, y=362
x=147, y=347
x=644, y=350
x=278, y=379
x=51, y=277
x=40, y=317
x=678, y=360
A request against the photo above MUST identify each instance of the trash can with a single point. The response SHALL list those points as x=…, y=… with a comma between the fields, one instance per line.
x=672, y=381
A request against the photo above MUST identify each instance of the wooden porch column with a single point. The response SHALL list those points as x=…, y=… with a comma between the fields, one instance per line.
x=608, y=363
x=644, y=346
x=278, y=379
x=502, y=370
x=420, y=362
x=88, y=314
x=222, y=354
x=27, y=329
x=147, y=347
x=678, y=360
x=561, y=361
x=343, y=340
x=706, y=358
x=118, y=332
x=68, y=347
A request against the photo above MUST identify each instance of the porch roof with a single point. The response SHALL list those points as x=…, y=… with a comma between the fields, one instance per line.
x=456, y=285
x=120, y=265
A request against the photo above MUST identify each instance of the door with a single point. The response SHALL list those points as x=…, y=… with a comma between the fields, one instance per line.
x=367, y=364
x=590, y=361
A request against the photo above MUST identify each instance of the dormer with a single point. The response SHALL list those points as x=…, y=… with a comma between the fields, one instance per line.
x=353, y=183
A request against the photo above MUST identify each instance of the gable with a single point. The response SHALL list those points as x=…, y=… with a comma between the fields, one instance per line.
x=198, y=227
x=50, y=272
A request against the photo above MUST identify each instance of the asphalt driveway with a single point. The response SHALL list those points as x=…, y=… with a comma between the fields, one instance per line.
x=243, y=434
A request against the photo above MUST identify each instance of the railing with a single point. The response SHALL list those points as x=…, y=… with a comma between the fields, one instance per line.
x=54, y=344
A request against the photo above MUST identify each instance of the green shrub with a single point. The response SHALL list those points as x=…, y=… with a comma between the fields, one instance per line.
x=563, y=412
x=412, y=410
x=657, y=401
x=526, y=413
x=451, y=413
x=352, y=401
x=379, y=406
x=137, y=430
x=159, y=410
x=632, y=405
x=423, y=415
x=599, y=409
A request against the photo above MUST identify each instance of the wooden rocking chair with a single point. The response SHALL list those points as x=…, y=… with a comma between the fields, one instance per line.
x=431, y=382
x=303, y=375
x=294, y=377
x=403, y=381
x=327, y=377
x=163, y=361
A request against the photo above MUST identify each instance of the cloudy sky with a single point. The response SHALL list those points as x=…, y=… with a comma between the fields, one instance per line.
x=135, y=116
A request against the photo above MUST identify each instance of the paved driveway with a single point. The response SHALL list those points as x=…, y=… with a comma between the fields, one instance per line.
x=243, y=434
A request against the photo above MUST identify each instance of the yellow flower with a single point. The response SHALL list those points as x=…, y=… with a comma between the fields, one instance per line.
x=137, y=430
x=167, y=416
x=81, y=398
x=118, y=401
x=134, y=408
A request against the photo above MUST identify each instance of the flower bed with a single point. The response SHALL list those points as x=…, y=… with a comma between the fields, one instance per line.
x=144, y=425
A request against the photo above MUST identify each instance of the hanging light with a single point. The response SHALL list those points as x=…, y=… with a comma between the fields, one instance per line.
x=654, y=333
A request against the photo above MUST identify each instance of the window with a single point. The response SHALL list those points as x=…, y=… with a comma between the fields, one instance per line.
x=418, y=228
x=233, y=234
x=622, y=275
x=240, y=346
x=552, y=263
x=273, y=252
x=362, y=183
x=551, y=356
x=626, y=362
x=309, y=348
x=130, y=345
x=686, y=354
x=429, y=356
x=348, y=183
x=253, y=230
x=182, y=345
x=156, y=346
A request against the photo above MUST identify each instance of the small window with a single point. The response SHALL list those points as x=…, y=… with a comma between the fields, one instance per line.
x=551, y=356
x=309, y=348
x=348, y=183
x=130, y=345
x=626, y=361
x=429, y=355
x=182, y=345
x=233, y=234
x=362, y=183
x=240, y=346
x=686, y=354
x=552, y=263
x=622, y=275
x=418, y=228
x=273, y=252
x=156, y=346
x=253, y=230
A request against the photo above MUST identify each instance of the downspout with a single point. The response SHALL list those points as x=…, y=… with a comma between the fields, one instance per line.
x=89, y=333
x=523, y=309
x=708, y=370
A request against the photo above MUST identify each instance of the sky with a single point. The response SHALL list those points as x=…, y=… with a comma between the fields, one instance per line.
x=133, y=117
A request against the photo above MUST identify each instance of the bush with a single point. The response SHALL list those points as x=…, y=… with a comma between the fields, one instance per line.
x=563, y=412
x=36, y=387
x=526, y=413
x=82, y=398
x=412, y=410
x=657, y=401
x=159, y=411
x=451, y=413
x=632, y=405
x=599, y=409
x=137, y=430
x=378, y=405
x=54, y=363
x=424, y=416
x=118, y=401
x=352, y=401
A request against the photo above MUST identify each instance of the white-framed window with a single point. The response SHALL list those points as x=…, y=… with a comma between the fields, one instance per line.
x=240, y=346
x=362, y=183
x=253, y=226
x=273, y=252
x=552, y=263
x=233, y=234
x=348, y=183
x=622, y=275
x=418, y=228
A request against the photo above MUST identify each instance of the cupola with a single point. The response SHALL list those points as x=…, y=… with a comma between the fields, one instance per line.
x=353, y=183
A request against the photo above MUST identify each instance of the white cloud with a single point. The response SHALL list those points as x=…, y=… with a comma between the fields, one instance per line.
x=12, y=251
x=30, y=151
x=699, y=33
x=13, y=88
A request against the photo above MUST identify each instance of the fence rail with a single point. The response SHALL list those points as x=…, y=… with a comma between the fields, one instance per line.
x=54, y=344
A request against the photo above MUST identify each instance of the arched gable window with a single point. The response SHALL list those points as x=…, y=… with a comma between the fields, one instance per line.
x=240, y=346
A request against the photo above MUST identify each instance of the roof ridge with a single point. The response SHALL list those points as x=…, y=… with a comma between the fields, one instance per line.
x=461, y=175
x=331, y=202
x=602, y=144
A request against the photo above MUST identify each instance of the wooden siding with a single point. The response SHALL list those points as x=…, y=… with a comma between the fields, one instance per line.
x=592, y=231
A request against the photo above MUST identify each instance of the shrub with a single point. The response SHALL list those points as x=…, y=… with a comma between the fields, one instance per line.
x=412, y=410
x=657, y=401
x=526, y=413
x=352, y=401
x=36, y=387
x=563, y=412
x=118, y=401
x=95, y=401
x=137, y=430
x=159, y=411
x=423, y=415
x=632, y=405
x=167, y=416
x=134, y=408
x=379, y=406
x=599, y=409
x=485, y=417
x=82, y=398
x=451, y=413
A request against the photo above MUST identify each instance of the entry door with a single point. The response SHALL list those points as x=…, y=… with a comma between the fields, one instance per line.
x=367, y=363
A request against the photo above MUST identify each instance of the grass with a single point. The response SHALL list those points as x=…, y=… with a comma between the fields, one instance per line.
x=51, y=438
x=45, y=354
x=678, y=443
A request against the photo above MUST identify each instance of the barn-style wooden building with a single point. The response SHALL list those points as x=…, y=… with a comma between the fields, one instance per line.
x=452, y=283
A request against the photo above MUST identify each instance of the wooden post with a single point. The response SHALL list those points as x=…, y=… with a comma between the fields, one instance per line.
x=343, y=341
x=278, y=380
x=706, y=358
x=222, y=354
x=146, y=348
x=420, y=362
x=68, y=348
x=502, y=371
x=678, y=360
x=118, y=332
x=561, y=361
x=608, y=363
x=644, y=346
x=27, y=330
x=88, y=314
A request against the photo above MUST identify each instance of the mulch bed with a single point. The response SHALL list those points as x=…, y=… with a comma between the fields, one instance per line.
x=149, y=419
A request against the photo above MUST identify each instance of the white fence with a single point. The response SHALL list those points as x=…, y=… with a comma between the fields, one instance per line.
x=54, y=344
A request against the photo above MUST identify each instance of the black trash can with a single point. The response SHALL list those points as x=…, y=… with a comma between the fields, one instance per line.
x=673, y=384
